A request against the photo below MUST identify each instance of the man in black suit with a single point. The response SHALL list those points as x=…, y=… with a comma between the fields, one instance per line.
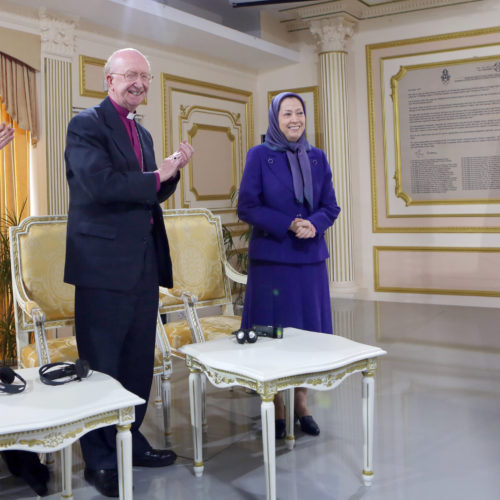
x=117, y=250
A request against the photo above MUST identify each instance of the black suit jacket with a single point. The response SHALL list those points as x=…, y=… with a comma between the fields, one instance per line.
x=111, y=203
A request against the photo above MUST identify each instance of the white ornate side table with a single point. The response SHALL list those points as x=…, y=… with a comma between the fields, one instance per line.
x=300, y=359
x=47, y=418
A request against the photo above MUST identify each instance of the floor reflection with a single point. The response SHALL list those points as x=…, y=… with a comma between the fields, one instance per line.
x=437, y=417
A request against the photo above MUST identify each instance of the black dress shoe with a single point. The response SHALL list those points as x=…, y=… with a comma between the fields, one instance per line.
x=37, y=478
x=280, y=428
x=308, y=425
x=154, y=458
x=104, y=480
x=27, y=465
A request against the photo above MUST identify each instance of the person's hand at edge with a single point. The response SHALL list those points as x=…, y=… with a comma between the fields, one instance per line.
x=6, y=134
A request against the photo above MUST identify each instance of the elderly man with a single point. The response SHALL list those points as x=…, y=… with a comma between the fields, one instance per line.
x=117, y=250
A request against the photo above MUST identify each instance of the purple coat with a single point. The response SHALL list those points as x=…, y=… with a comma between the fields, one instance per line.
x=267, y=202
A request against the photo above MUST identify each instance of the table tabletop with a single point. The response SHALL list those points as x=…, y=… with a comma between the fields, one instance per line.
x=298, y=352
x=41, y=406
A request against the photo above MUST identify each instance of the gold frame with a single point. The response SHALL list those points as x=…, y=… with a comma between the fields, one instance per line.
x=90, y=61
x=430, y=45
x=191, y=133
x=437, y=291
x=397, y=139
x=314, y=90
x=202, y=89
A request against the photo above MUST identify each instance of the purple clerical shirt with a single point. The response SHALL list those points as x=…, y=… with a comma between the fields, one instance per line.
x=131, y=129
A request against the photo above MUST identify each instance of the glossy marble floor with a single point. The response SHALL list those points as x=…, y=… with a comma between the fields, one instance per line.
x=437, y=421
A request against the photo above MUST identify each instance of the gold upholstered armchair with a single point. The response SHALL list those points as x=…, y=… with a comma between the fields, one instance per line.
x=201, y=294
x=42, y=301
x=202, y=288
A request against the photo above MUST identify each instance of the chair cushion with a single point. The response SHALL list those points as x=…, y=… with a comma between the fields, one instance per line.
x=42, y=266
x=62, y=349
x=179, y=334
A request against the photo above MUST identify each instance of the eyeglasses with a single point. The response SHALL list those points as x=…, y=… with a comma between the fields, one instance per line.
x=131, y=76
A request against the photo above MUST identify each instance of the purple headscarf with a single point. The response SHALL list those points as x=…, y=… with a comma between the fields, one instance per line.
x=295, y=151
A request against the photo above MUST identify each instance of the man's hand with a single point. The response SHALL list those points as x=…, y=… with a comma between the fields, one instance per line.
x=171, y=165
x=6, y=134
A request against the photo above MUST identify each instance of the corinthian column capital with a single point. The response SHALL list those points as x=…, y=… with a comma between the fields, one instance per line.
x=332, y=33
x=57, y=34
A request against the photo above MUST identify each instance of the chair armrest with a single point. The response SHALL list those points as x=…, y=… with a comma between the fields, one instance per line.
x=175, y=293
x=34, y=310
x=189, y=302
x=25, y=304
x=162, y=342
x=234, y=275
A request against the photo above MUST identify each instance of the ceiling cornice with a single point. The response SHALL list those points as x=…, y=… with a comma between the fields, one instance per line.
x=298, y=18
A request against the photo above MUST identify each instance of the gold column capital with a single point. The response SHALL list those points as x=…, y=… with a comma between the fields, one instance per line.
x=332, y=33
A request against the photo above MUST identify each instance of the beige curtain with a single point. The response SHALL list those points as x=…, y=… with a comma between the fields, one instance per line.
x=18, y=93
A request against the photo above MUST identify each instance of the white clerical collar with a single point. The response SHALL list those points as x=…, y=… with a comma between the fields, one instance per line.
x=131, y=115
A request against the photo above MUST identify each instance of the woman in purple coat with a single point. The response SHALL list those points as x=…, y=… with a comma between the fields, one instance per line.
x=286, y=195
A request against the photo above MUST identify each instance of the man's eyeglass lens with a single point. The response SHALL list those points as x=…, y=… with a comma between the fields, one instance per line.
x=131, y=76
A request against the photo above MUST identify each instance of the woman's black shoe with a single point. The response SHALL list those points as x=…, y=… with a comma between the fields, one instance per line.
x=309, y=425
x=280, y=428
x=105, y=481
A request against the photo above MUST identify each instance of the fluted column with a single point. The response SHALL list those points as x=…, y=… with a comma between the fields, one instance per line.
x=332, y=35
x=57, y=56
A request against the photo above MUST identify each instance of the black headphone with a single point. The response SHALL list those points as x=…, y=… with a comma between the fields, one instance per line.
x=7, y=377
x=76, y=371
x=245, y=335
x=250, y=335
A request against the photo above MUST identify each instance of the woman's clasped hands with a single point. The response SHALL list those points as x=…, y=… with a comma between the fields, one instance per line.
x=303, y=228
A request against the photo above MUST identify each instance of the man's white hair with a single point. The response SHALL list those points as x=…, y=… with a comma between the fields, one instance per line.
x=116, y=53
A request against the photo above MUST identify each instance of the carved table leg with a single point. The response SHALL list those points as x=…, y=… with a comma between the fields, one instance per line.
x=368, y=405
x=124, y=459
x=195, y=403
x=289, y=398
x=269, y=446
x=66, y=460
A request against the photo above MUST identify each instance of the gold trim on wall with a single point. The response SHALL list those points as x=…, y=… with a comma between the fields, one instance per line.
x=314, y=90
x=84, y=90
x=172, y=83
x=185, y=112
x=465, y=37
x=167, y=103
x=397, y=139
x=226, y=130
x=435, y=291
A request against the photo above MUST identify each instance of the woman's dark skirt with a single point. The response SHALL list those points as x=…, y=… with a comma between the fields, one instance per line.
x=295, y=295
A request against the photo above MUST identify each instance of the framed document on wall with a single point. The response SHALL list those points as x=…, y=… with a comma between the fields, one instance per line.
x=447, y=131
x=434, y=141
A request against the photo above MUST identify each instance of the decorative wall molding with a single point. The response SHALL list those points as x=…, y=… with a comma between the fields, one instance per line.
x=58, y=35
x=218, y=122
x=298, y=18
